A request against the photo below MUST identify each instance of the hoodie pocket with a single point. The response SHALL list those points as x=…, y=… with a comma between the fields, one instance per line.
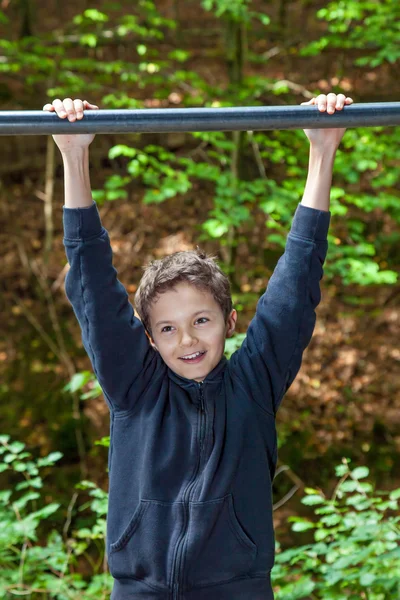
x=145, y=549
x=218, y=547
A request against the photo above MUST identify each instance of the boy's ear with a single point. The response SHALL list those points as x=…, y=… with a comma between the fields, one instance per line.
x=151, y=340
x=230, y=326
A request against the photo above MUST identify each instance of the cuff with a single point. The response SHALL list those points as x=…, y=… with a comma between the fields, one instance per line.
x=311, y=223
x=81, y=223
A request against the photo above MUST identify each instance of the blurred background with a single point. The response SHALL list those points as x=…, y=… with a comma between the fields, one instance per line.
x=234, y=194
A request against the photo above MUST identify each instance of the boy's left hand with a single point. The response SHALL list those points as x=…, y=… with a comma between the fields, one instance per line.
x=326, y=139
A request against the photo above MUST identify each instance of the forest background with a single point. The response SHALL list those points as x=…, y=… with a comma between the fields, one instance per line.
x=235, y=195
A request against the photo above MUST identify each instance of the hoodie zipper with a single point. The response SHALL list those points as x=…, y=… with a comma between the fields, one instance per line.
x=176, y=576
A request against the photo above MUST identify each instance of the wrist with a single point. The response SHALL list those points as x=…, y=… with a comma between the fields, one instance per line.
x=74, y=154
x=325, y=153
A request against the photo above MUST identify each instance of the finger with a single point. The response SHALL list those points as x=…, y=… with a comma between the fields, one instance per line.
x=70, y=109
x=59, y=108
x=48, y=107
x=331, y=103
x=340, y=101
x=322, y=101
x=311, y=101
x=78, y=105
x=349, y=100
x=87, y=104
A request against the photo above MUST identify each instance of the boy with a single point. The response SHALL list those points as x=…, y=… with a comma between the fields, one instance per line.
x=193, y=441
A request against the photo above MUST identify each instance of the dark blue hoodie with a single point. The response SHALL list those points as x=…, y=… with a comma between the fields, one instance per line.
x=191, y=464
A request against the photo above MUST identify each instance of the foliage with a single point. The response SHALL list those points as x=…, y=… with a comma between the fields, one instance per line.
x=356, y=552
x=43, y=59
x=236, y=10
x=29, y=566
x=367, y=173
x=356, y=546
x=372, y=27
x=369, y=157
x=232, y=344
x=80, y=380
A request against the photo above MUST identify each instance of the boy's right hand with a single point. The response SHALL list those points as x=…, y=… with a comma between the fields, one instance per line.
x=73, y=109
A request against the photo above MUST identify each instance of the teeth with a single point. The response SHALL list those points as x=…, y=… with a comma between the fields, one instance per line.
x=192, y=355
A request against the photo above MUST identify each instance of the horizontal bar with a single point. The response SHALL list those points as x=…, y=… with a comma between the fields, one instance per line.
x=158, y=120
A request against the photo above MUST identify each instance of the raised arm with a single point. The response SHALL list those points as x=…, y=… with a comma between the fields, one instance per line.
x=114, y=338
x=271, y=354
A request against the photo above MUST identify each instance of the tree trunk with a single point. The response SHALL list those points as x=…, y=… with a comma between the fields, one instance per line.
x=235, y=41
x=26, y=11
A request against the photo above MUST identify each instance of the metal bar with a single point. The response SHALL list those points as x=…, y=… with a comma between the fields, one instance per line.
x=242, y=118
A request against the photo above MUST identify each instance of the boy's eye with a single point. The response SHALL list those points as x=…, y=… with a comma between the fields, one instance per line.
x=199, y=319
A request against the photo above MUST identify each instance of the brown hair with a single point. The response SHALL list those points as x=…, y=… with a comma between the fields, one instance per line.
x=191, y=266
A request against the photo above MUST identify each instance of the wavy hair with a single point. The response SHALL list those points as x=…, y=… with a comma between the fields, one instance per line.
x=192, y=266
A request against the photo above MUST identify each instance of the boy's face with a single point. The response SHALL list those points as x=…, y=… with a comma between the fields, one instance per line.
x=185, y=320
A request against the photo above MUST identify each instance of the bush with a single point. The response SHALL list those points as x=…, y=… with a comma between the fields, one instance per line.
x=31, y=566
x=356, y=553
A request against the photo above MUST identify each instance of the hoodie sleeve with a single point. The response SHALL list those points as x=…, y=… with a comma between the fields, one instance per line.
x=271, y=354
x=113, y=337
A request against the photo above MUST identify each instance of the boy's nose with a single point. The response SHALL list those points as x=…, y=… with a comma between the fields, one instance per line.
x=188, y=340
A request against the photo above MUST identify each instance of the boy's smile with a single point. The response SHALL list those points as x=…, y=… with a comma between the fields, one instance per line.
x=189, y=330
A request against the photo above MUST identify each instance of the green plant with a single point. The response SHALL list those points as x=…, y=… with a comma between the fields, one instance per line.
x=38, y=567
x=372, y=27
x=356, y=553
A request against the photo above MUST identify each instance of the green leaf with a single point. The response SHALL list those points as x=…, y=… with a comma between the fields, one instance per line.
x=322, y=534
x=121, y=150
x=349, y=486
x=309, y=490
x=395, y=494
x=45, y=512
x=367, y=579
x=360, y=472
x=16, y=447
x=52, y=458
x=215, y=228
x=303, y=526
x=95, y=15
x=312, y=499
x=77, y=381
x=265, y=19
x=88, y=39
x=23, y=501
x=141, y=49
x=179, y=55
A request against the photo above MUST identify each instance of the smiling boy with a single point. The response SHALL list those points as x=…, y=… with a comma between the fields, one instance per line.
x=188, y=317
x=193, y=445
x=196, y=311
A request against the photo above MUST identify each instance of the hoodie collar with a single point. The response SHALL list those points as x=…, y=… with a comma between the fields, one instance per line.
x=215, y=375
